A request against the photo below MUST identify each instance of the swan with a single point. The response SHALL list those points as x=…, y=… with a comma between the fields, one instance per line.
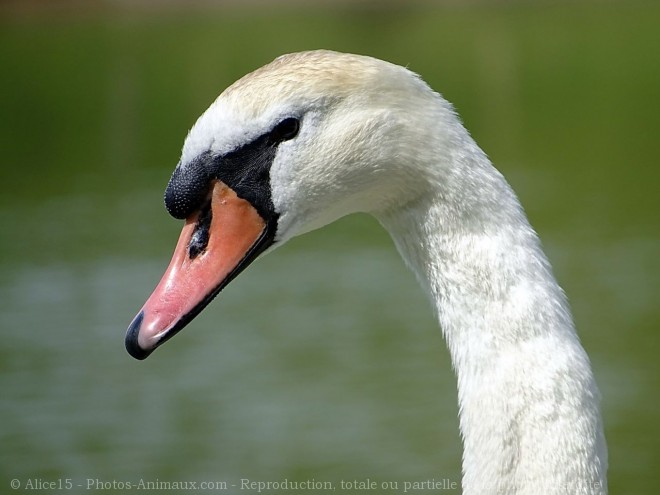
x=314, y=136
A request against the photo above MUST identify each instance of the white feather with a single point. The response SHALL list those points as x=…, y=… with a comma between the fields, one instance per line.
x=375, y=138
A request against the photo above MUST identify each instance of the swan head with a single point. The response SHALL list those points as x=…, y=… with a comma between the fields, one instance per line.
x=293, y=146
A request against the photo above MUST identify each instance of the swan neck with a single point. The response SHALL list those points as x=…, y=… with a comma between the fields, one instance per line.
x=529, y=405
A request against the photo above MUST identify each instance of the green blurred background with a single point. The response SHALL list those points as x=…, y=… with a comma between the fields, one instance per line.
x=323, y=360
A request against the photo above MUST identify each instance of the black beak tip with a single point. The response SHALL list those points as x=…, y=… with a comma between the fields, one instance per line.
x=132, y=345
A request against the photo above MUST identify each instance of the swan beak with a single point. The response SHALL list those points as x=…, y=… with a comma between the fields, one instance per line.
x=216, y=243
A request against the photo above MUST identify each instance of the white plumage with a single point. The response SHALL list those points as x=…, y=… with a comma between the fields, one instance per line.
x=375, y=138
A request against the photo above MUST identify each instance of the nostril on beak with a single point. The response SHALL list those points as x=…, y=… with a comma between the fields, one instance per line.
x=200, y=238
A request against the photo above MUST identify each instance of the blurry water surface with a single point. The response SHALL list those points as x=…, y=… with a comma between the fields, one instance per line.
x=323, y=360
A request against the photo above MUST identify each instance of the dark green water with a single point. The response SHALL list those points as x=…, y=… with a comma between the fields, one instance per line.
x=322, y=361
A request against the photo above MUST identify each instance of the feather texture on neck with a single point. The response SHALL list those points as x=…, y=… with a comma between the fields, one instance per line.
x=529, y=404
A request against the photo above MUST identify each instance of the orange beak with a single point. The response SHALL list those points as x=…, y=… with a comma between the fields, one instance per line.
x=216, y=243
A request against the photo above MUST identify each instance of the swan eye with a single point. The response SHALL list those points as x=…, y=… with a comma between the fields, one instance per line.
x=286, y=129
